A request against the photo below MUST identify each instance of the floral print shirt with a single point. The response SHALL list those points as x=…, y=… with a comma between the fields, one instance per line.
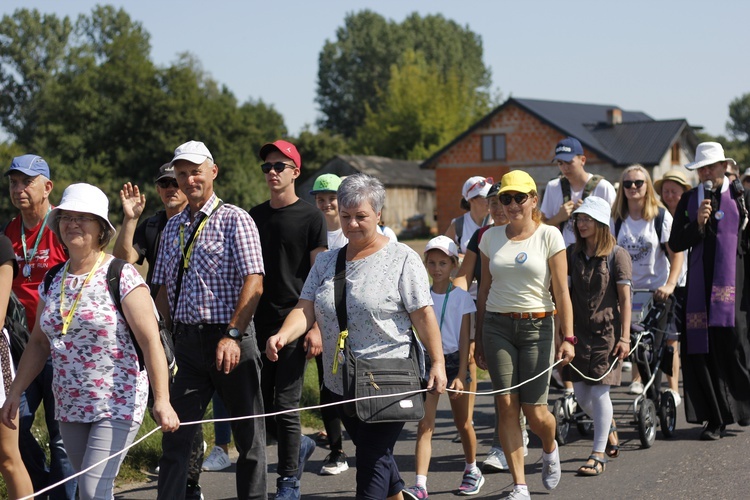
x=95, y=364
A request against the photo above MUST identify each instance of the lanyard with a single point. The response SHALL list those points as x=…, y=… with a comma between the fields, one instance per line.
x=68, y=318
x=186, y=255
x=28, y=256
x=445, y=302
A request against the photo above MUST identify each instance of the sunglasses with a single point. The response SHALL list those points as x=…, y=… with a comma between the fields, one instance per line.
x=481, y=184
x=519, y=198
x=279, y=167
x=629, y=184
x=167, y=183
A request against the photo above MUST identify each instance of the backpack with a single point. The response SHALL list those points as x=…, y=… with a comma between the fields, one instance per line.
x=113, y=282
x=17, y=327
x=458, y=225
x=587, y=190
x=658, y=223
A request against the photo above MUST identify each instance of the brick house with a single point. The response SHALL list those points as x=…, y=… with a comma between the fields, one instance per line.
x=522, y=134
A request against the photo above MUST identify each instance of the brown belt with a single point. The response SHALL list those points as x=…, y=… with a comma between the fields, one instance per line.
x=531, y=315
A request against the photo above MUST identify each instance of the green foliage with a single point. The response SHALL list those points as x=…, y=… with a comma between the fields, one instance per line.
x=421, y=110
x=317, y=148
x=355, y=70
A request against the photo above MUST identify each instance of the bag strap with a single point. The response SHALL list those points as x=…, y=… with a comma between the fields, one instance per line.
x=458, y=225
x=591, y=185
x=51, y=273
x=658, y=223
x=114, y=274
x=339, y=288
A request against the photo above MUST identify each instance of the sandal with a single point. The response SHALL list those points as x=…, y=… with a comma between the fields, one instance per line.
x=613, y=450
x=600, y=465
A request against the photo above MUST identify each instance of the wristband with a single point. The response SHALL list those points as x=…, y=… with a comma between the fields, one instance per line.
x=625, y=341
x=571, y=340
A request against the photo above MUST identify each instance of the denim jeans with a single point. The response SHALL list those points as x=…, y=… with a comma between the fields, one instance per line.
x=222, y=430
x=196, y=381
x=40, y=392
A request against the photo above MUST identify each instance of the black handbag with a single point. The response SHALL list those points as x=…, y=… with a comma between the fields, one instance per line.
x=375, y=379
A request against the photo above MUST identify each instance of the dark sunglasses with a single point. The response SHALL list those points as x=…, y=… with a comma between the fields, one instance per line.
x=520, y=198
x=167, y=183
x=629, y=184
x=279, y=166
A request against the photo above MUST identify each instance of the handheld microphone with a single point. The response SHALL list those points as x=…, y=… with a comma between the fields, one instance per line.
x=708, y=190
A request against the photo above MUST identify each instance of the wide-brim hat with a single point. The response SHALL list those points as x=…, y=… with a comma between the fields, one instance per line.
x=675, y=176
x=83, y=198
x=597, y=208
x=708, y=153
x=517, y=180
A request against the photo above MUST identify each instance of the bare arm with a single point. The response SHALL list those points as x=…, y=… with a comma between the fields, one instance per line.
x=465, y=274
x=622, y=347
x=558, y=265
x=313, y=344
x=425, y=322
x=482, y=294
x=228, y=350
x=459, y=383
x=297, y=322
x=133, y=204
x=138, y=310
x=675, y=268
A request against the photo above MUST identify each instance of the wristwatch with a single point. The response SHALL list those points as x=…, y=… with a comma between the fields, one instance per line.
x=571, y=340
x=233, y=333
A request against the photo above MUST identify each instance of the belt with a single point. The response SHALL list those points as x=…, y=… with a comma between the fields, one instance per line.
x=530, y=315
x=180, y=328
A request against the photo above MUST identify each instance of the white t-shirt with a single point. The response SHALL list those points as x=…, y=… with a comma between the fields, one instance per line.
x=387, y=231
x=458, y=304
x=520, y=269
x=553, y=199
x=336, y=239
x=650, y=262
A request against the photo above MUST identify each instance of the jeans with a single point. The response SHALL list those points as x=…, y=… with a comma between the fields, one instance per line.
x=196, y=381
x=222, y=430
x=40, y=392
x=281, y=383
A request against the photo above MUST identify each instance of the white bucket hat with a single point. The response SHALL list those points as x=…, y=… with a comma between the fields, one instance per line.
x=596, y=208
x=83, y=198
x=708, y=153
x=444, y=244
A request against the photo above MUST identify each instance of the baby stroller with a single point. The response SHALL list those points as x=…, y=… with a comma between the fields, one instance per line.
x=652, y=357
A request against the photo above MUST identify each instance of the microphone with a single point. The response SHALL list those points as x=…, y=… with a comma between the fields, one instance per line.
x=708, y=190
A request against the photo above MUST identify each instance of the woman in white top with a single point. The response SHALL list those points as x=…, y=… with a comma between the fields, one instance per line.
x=515, y=332
x=655, y=266
x=473, y=200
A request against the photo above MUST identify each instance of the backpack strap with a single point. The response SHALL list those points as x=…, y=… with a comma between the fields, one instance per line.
x=458, y=225
x=658, y=223
x=114, y=274
x=51, y=273
x=591, y=185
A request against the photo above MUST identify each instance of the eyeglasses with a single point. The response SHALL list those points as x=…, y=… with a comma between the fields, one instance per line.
x=167, y=183
x=77, y=219
x=279, y=166
x=481, y=184
x=629, y=184
x=519, y=198
x=583, y=220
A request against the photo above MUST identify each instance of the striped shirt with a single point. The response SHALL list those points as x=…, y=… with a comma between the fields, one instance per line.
x=226, y=251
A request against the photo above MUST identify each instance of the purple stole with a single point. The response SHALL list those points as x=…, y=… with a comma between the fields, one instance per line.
x=721, y=303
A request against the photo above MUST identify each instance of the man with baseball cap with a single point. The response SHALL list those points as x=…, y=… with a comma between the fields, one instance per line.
x=211, y=268
x=37, y=249
x=566, y=193
x=292, y=233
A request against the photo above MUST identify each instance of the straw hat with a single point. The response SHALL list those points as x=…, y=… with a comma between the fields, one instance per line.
x=675, y=176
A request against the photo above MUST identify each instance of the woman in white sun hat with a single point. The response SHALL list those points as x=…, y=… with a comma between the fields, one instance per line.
x=100, y=390
x=711, y=221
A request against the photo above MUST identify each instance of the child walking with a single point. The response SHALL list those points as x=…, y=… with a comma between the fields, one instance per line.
x=453, y=307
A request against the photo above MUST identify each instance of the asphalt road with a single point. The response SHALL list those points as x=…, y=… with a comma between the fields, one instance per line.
x=680, y=467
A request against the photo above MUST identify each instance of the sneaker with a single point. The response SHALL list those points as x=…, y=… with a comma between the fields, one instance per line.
x=335, y=463
x=306, y=449
x=519, y=495
x=495, y=460
x=569, y=400
x=635, y=388
x=287, y=488
x=193, y=491
x=471, y=483
x=627, y=366
x=676, y=396
x=217, y=460
x=415, y=493
x=525, y=443
x=551, y=469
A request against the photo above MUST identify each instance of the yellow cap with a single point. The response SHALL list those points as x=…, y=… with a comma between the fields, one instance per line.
x=517, y=180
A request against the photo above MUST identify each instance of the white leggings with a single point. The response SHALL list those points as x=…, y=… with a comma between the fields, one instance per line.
x=594, y=400
x=87, y=444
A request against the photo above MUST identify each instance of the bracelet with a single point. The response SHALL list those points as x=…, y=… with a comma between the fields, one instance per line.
x=625, y=341
x=571, y=340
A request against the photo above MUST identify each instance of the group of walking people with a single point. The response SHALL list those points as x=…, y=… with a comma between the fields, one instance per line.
x=517, y=283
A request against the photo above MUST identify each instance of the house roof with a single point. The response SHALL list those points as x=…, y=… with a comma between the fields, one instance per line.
x=638, y=139
x=389, y=171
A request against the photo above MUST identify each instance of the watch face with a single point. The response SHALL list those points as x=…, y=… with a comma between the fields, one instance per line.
x=234, y=333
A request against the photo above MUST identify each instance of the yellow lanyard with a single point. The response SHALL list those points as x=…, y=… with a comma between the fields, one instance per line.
x=339, y=356
x=186, y=256
x=68, y=318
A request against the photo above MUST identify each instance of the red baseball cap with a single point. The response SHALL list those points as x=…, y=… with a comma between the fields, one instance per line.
x=286, y=148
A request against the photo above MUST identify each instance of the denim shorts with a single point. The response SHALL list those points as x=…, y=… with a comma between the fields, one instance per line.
x=516, y=350
x=452, y=363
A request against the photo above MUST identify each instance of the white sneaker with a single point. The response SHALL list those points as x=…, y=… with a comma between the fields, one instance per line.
x=495, y=460
x=217, y=460
x=551, y=469
x=627, y=366
x=525, y=443
x=636, y=388
x=677, y=397
x=519, y=495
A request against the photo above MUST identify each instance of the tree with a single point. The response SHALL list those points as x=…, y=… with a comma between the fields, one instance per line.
x=316, y=149
x=354, y=70
x=421, y=110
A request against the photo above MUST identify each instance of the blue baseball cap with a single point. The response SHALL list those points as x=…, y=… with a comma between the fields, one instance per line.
x=567, y=149
x=31, y=165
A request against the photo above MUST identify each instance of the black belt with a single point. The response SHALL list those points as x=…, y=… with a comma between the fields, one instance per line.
x=183, y=328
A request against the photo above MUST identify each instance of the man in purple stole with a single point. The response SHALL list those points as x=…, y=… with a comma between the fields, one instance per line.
x=711, y=221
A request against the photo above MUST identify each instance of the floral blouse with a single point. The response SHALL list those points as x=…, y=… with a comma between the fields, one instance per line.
x=95, y=364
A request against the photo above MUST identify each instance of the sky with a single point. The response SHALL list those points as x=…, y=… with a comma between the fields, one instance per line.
x=667, y=58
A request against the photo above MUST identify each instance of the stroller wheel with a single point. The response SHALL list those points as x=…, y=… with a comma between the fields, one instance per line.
x=667, y=414
x=562, y=426
x=647, y=422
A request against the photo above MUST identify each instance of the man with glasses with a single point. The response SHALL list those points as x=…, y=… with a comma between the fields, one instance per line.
x=292, y=233
x=566, y=192
x=37, y=249
x=210, y=267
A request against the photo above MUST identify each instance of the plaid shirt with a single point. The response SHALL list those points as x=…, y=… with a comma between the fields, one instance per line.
x=225, y=251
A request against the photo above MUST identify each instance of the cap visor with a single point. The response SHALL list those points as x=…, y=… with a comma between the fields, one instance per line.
x=566, y=157
x=191, y=157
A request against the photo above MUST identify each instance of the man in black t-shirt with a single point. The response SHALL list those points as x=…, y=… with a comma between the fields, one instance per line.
x=292, y=233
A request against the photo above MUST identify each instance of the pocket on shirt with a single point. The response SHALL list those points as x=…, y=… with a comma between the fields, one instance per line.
x=210, y=256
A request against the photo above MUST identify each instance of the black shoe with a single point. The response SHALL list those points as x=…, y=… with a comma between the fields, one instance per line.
x=712, y=432
x=744, y=422
x=193, y=491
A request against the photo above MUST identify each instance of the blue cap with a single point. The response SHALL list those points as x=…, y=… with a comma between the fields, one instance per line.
x=567, y=149
x=31, y=165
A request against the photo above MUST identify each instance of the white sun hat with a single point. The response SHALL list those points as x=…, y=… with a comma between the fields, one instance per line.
x=708, y=153
x=83, y=198
x=596, y=208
